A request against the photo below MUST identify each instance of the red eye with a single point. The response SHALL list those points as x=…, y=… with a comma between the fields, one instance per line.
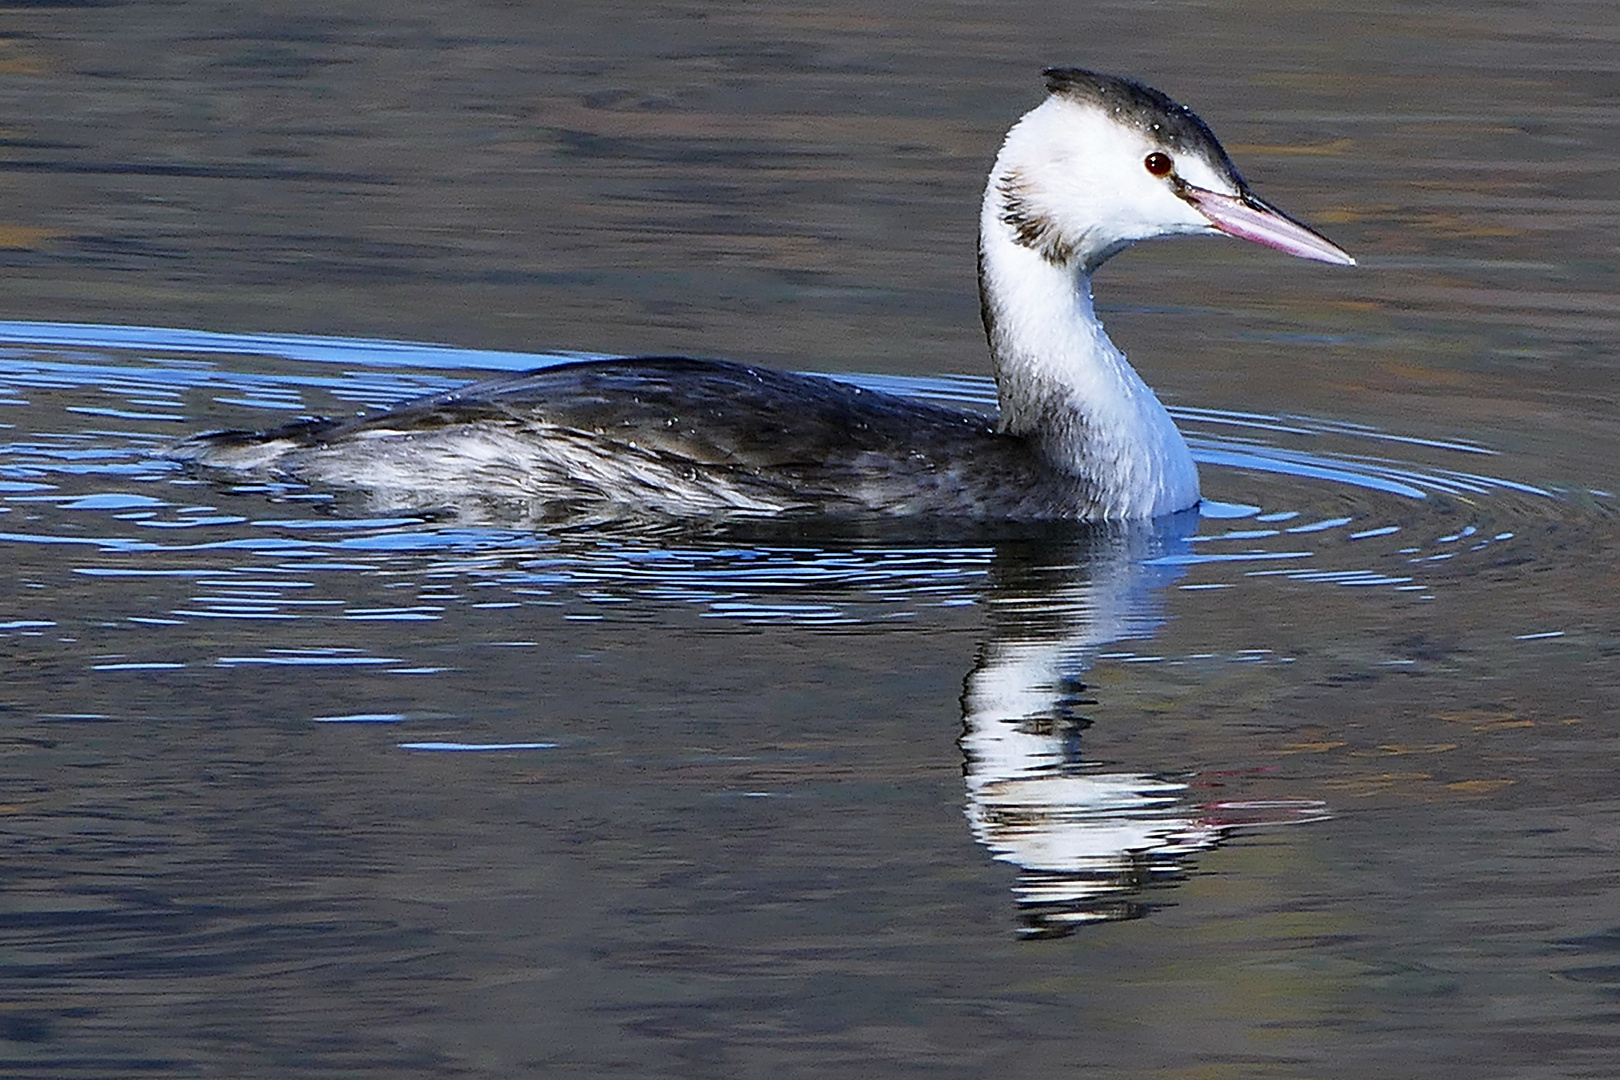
x=1159, y=164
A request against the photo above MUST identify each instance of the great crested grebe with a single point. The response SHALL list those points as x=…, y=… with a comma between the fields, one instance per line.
x=1102, y=163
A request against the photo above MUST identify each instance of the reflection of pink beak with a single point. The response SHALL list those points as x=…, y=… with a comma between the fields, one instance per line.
x=1247, y=218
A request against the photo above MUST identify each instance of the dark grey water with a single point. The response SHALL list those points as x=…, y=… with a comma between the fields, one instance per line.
x=1319, y=783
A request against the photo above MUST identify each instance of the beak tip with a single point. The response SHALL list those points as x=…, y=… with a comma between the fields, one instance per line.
x=1247, y=218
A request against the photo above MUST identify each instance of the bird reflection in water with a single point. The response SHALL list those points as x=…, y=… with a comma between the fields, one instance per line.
x=1088, y=844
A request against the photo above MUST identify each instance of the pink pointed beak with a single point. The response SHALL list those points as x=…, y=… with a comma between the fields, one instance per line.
x=1247, y=218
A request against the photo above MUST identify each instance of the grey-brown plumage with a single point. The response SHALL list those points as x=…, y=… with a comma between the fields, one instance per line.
x=663, y=436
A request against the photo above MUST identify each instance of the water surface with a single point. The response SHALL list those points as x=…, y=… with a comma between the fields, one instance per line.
x=1315, y=783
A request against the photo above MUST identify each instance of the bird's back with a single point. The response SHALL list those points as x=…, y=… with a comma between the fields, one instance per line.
x=663, y=436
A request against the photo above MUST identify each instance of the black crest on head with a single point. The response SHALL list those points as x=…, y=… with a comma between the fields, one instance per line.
x=1174, y=125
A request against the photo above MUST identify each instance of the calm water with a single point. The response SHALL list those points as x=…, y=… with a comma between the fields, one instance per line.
x=1318, y=782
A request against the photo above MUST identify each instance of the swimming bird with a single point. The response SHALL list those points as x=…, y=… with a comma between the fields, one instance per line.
x=1101, y=163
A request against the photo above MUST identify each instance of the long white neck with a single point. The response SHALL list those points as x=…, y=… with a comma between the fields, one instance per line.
x=1063, y=384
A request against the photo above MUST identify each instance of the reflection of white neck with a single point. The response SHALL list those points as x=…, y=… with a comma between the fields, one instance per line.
x=1046, y=638
x=1065, y=386
x=1080, y=830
